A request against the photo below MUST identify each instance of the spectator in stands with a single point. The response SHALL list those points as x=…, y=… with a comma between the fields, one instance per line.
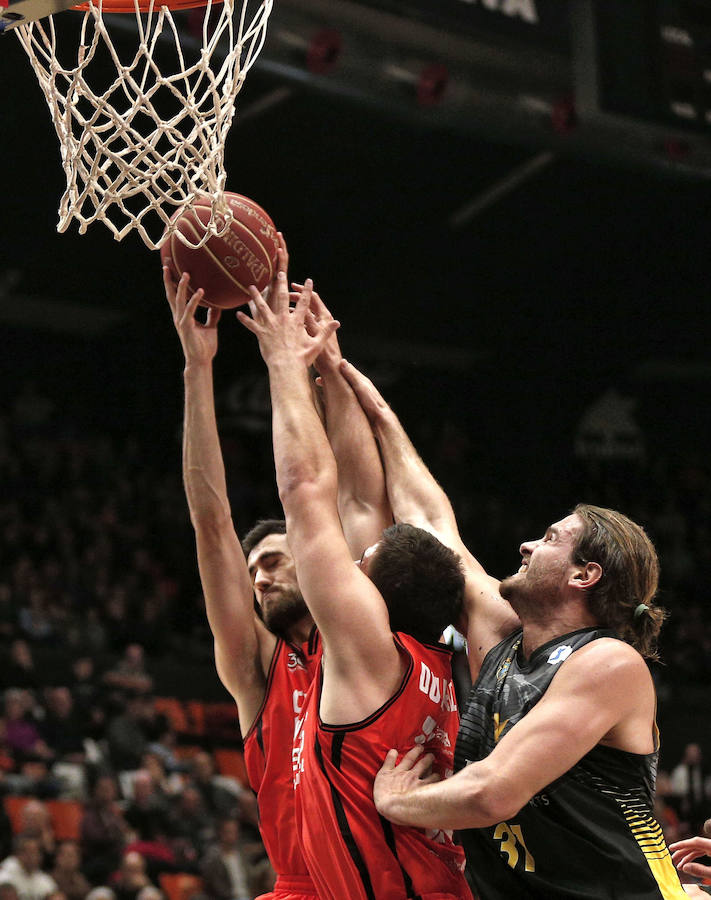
x=88, y=697
x=226, y=866
x=664, y=812
x=163, y=746
x=61, y=727
x=146, y=811
x=86, y=632
x=691, y=785
x=34, y=617
x=101, y=893
x=126, y=737
x=22, y=736
x=165, y=784
x=130, y=673
x=23, y=870
x=149, y=892
x=67, y=872
x=219, y=801
x=104, y=831
x=264, y=876
x=19, y=670
x=131, y=877
x=153, y=722
x=35, y=822
x=191, y=827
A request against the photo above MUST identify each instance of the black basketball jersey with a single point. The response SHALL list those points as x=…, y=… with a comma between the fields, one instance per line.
x=589, y=835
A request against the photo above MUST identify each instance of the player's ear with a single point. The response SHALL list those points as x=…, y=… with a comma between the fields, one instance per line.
x=585, y=576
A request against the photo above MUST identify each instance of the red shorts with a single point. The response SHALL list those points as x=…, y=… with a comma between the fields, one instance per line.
x=438, y=895
x=296, y=887
x=291, y=887
x=299, y=888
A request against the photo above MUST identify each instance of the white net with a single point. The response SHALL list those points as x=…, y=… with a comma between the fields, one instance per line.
x=137, y=145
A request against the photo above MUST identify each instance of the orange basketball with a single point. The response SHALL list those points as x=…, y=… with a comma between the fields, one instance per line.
x=224, y=267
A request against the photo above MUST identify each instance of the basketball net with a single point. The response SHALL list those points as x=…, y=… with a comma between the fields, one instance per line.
x=139, y=147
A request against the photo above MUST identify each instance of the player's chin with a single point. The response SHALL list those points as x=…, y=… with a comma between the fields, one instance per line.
x=270, y=601
x=507, y=588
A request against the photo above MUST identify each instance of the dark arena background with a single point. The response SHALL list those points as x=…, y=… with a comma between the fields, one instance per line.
x=505, y=202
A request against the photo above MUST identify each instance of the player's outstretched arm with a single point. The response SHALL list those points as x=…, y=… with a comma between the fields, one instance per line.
x=243, y=645
x=417, y=498
x=363, y=502
x=576, y=713
x=350, y=613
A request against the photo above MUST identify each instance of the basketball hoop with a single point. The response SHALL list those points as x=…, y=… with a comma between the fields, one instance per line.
x=139, y=146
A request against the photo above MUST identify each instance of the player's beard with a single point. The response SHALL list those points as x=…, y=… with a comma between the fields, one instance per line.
x=523, y=594
x=509, y=587
x=284, y=611
x=530, y=596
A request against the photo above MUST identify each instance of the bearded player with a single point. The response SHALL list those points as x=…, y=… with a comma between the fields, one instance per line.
x=384, y=675
x=264, y=661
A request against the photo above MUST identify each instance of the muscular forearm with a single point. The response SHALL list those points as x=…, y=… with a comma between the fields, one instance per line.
x=203, y=468
x=415, y=495
x=302, y=455
x=362, y=498
x=222, y=567
x=466, y=800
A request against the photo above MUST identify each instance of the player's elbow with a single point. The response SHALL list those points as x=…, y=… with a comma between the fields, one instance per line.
x=295, y=491
x=491, y=799
x=501, y=807
x=298, y=490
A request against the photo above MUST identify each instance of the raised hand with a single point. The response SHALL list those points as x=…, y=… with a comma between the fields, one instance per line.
x=199, y=340
x=330, y=357
x=285, y=333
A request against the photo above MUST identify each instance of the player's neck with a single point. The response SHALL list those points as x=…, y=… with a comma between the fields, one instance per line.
x=537, y=633
x=299, y=632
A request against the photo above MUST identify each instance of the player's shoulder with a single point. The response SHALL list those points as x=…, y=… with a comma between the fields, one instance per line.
x=612, y=649
x=608, y=658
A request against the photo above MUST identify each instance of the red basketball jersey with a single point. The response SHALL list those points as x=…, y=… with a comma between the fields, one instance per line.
x=268, y=751
x=351, y=851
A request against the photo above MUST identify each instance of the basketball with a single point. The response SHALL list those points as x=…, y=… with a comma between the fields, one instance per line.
x=224, y=267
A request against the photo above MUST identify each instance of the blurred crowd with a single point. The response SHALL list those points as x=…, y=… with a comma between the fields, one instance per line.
x=97, y=563
x=98, y=574
x=99, y=793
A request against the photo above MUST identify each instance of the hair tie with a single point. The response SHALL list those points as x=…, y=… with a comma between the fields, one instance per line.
x=641, y=609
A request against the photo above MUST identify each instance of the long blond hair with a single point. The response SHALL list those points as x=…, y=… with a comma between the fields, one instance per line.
x=623, y=598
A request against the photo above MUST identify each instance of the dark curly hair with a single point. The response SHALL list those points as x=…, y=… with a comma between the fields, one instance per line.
x=259, y=531
x=421, y=581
